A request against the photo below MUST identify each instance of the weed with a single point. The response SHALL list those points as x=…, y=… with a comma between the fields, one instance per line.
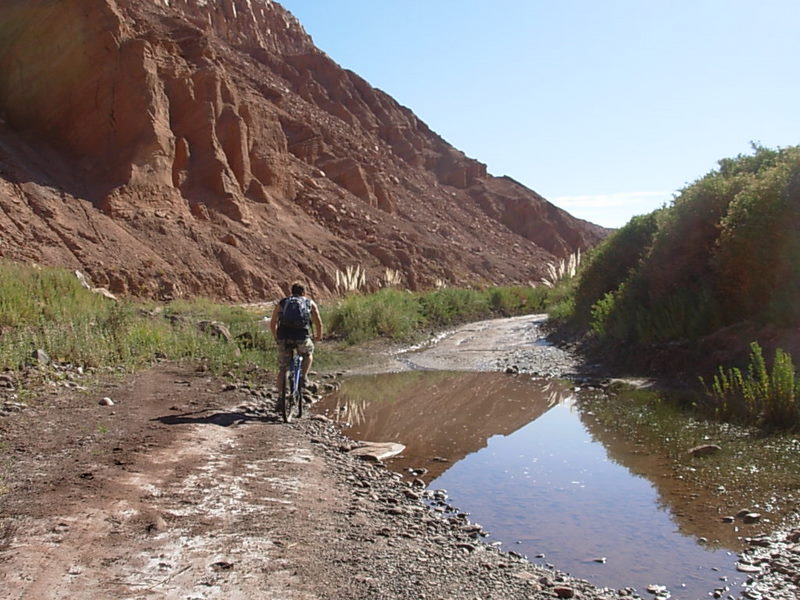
x=391, y=278
x=352, y=279
x=562, y=270
x=759, y=396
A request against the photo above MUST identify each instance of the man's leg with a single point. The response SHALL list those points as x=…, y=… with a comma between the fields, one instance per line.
x=307, y=360
x=281, y=381
x=306, y=350
x=284, y=355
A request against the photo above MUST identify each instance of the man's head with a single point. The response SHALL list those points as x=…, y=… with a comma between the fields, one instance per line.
x=298, y=289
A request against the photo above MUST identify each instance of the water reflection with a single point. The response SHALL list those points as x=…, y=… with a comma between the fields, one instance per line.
x=441, y=417
x=524, y=464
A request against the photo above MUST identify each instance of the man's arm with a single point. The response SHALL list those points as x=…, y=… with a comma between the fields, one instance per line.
x=317, y=321
x=274, y=319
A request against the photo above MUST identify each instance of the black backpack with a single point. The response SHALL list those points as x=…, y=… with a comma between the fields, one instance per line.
x=295, y=313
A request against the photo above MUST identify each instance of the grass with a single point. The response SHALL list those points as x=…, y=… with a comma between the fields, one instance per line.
x=48, y=309
x=763, y=396
x=403, y=316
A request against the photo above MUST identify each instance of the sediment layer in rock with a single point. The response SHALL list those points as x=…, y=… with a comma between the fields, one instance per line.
x=185, y=147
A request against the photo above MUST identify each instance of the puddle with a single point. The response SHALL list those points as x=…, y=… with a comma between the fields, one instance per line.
x=516, y=454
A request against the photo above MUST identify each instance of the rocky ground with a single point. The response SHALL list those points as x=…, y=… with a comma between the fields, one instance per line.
x=188, y=486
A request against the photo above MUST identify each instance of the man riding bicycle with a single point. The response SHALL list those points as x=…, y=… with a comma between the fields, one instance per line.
x=290, y=325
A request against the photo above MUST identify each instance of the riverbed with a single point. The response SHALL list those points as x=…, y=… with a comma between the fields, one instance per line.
x=492, y=414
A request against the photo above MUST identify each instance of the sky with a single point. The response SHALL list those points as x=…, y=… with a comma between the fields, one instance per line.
x=607, y=108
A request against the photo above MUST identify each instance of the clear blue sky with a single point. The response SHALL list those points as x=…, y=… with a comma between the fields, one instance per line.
x=607, y=108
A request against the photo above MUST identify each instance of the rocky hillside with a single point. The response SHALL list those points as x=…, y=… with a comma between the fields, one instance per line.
x=180, y=147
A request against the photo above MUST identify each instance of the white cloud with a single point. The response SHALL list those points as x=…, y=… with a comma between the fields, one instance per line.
x=630, y=199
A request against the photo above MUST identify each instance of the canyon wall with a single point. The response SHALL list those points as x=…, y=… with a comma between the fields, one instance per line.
x=173, y=148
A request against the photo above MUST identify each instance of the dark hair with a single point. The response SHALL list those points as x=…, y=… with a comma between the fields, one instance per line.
x=298, y=289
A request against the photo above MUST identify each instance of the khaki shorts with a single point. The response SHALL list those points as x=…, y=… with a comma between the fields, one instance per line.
x=285, y=347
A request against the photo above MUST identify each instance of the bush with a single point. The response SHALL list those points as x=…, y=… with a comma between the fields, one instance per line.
x=769, y=398
x=387, y=313
x=727, y=250
x=610, y=264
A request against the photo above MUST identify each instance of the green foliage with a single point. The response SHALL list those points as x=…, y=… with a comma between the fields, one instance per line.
x=769, y=398
x=453, y=305
x=727, y=250
x=36, y=295
x=388, y=313
x=48, y=308
x=400, y=315
x=609, y=265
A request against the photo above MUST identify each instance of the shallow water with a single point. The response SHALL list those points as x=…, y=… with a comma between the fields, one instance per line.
x=517, y=454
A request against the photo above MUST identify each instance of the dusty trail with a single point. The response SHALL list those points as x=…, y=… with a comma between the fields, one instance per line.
x=191, y=488
x=166, y=502
x=491, y=345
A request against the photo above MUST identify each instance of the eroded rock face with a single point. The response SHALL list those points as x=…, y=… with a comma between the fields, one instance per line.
x=183, y=147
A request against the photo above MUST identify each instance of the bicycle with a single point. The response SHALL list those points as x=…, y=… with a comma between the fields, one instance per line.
x=292, y=401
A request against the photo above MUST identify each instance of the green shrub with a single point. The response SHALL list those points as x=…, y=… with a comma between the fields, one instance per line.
x=757, y=258
x=727, y=250
x=401, y=315
x=769, y=398
x=609, y=265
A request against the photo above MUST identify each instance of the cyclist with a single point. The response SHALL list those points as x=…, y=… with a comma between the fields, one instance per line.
x=291, y=324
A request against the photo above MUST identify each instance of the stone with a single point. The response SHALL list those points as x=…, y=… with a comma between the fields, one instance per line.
x=215, y=328
x=656, y=589
x=751, y=517
x=747, y=568
x=704, y=450
x=41, y=357
x=377, y=451
x=106, y=401
x=564, y=592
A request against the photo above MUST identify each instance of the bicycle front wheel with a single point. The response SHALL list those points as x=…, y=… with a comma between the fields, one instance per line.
x=297, y=391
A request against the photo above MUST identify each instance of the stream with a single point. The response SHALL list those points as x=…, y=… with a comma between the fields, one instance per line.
x=518, y=455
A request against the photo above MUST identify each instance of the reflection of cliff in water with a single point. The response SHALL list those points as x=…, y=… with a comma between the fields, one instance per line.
x=439, y=414
x=692, y=509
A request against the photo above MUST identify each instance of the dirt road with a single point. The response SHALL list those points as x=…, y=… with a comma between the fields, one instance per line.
x=492, y=345
x=190, y=488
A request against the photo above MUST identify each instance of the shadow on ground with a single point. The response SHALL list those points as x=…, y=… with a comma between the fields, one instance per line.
x=223, y=419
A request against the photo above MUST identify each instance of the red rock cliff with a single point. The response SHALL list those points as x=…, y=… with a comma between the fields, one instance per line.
x=184, y=147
